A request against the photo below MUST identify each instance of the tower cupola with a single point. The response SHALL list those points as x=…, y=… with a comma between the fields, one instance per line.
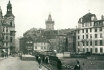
x=9, y=10
x=49, y=23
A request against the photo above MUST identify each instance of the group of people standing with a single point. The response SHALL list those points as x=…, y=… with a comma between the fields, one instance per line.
x=42, y=59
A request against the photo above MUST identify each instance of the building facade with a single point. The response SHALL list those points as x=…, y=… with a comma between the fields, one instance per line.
x=90, y=34
x=8, y=29
x=41, y=44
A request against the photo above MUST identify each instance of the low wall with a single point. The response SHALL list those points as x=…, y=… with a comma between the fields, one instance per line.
x=78, y=56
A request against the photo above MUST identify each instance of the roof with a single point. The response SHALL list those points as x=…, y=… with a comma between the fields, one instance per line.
x=41, y=39
x=51, y=32
x=87, y=18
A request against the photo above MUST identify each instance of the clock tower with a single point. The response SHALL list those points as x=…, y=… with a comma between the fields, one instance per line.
x=49, y=23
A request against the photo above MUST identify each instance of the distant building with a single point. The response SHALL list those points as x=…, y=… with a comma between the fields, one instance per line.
x=56, y=38
x=26, y=44
x=72, y=41
x=90, y=34
x=7, y=30
x=41, y=44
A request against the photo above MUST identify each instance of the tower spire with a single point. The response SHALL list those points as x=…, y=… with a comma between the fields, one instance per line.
x=9, y=9
x=49, y=17
x=9, y=2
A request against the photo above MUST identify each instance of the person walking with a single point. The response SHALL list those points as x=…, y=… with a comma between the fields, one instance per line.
x=77, y=66
x=39, y=60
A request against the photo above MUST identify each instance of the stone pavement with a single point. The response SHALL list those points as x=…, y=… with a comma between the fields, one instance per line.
x=14, y=63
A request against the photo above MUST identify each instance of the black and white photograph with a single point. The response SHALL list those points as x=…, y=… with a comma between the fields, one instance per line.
x=51, y=35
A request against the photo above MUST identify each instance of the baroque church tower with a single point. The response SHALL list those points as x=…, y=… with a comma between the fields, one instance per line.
x=49, y=23
x=8, y=30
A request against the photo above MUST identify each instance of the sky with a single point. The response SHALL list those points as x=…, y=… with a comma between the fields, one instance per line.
x=65, y=13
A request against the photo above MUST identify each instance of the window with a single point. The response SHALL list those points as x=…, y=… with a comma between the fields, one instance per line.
x=90, y=30
x=82, y=25
x=100, y=29
x=87, y=36
x=3, y=29
x=35, y=47
x=10, y=39
x=86, y=30
x=11, y=23
x=101, y=35
x=78, y=37
x=44, y=47
x=101, y=50
x=6, y=37
x=95, y=43
x=87, y=49
x=83, y=31
x=90, y=43
x=90, y=35
x=78, y=50
x=101, y=43
x=6, y=29
x=83, y=43
x=90, y=24
x=83, y=36
x=90, y=49
x=86, y=43
x=83, y=50
x=96, y=50
x=3, y=36
x=95, y=29
x=95, y=35
x=10, y=33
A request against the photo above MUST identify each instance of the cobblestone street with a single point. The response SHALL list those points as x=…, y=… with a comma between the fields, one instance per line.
x=14, y=63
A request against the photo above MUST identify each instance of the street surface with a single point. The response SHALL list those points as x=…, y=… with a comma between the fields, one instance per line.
x=14, y=63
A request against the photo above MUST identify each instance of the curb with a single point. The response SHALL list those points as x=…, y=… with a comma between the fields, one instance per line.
x=46, y=67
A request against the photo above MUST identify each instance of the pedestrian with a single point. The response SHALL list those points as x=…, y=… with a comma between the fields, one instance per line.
x=39, y=60
x=47, y=60
x=77, y=66
x=36, y=58
x=59, y=64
